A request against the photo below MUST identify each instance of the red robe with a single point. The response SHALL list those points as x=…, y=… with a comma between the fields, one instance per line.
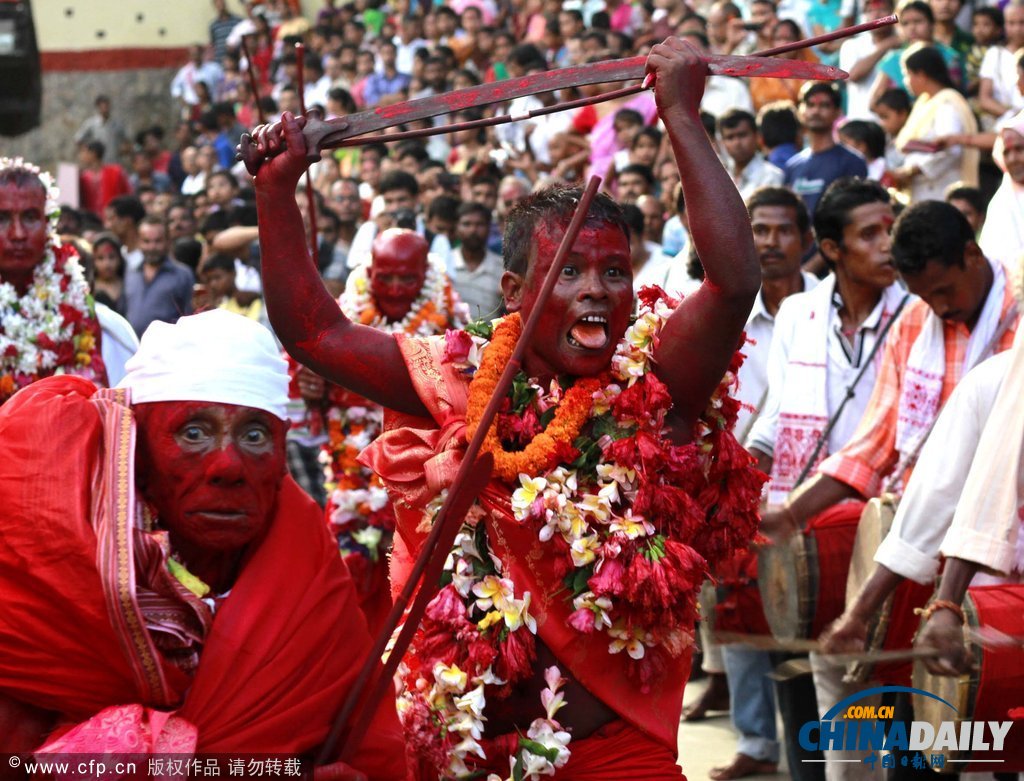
x=417, y=458
x=283, y=647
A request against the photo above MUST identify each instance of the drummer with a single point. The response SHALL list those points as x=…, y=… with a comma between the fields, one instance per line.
x=911, y=549
x=822, y=339
x=966, y=312
x=985, y=532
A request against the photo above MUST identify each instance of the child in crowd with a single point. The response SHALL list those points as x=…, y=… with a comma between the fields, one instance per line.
x=987, y=27
x=628, y=124
x=868, y=138
x=892, y=110
x=218, y=276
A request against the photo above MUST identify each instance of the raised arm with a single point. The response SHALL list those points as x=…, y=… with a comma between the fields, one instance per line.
x=699, y=340
x=306, y=319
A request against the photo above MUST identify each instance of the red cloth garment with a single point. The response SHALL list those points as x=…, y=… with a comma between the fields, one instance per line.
x=615, y=752
x=419, y=457
x=98, y=188
x=283, y=648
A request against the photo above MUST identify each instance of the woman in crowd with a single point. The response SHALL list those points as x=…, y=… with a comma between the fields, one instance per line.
x=109, y=265
x=939, y=110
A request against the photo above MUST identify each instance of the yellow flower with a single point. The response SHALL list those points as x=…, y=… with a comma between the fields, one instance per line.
x=633, y=526
x=632, y=640
x=489, y=620
x=584, y=550
x=450, y=679
x=526, y=495
x=86, y=342
x=494, y=591
x=596, y=506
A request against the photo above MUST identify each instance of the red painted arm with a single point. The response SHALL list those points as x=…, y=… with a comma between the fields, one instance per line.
x=307, y=320
x=699, y=340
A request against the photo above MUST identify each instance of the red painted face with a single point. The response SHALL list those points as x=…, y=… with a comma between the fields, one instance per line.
x=23, y=230
x=212, y=471
x=589, y=309
x=397, y=272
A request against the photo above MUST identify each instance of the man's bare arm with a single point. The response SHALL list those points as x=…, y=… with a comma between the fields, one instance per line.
x=306, y=319
x=944, y=630
x=850, y=631
x=699, y=340
x=815, y=496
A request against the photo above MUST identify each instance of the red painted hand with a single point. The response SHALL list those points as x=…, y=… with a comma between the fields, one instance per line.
x=282, y=148
x=679, y=73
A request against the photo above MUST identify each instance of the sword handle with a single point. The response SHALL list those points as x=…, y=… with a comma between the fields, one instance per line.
x=318, y=132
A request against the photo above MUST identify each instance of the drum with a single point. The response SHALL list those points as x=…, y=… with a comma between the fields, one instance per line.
x=733, y=604
x=894, y=625
x=803, y=581
x=991, y=691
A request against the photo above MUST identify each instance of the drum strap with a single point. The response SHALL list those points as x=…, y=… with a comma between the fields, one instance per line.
x=1008, y=320
x=851, y=391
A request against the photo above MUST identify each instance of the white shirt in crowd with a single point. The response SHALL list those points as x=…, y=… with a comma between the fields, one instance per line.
x=858, y=93
x=725, y=92
x=795, y=323
x=1000, y=65
x=758, y=173
x=926, y=510
x=479, y=288
x=753, y=374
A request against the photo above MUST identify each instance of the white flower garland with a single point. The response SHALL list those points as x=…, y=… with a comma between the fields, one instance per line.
x=24, y=319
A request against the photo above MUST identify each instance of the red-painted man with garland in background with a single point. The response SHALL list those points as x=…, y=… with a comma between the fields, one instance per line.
x=559, y=642
x=403, y=290
x=47, y=319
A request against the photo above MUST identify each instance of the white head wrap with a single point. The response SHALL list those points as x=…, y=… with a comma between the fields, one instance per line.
x=215, y=356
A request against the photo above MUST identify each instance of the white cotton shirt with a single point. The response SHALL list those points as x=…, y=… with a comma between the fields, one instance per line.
x=858, y=93
x=758, y=173
x=1000, y=65
x=725, y=92
x=793, y=325
x=926, y=510
x=753, y=374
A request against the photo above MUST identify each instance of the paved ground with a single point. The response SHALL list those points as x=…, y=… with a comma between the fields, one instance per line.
x=709, y=743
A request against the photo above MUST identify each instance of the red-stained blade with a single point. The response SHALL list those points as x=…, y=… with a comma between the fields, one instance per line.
x=321, y=134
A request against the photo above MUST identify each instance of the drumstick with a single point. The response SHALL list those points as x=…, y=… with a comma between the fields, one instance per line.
x=794, y=668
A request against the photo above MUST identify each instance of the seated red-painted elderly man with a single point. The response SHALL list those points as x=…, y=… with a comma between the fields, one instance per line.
x=166, y=586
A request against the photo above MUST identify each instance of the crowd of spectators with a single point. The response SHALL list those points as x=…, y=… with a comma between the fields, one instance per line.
x=918, y=114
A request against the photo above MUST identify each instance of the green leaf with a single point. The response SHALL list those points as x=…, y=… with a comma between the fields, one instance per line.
x=590, y=455
x=523, y=393
x=482, y=328
x=655, y=548
x=606, y=426
x=580, y=578
x=550, y=754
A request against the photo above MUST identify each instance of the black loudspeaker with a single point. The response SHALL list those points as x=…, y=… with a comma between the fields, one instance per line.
x=21, y=88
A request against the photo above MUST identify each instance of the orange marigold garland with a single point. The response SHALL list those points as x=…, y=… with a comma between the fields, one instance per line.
x=542, y=453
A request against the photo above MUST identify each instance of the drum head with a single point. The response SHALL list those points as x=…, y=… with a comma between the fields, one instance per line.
x=783, y=576
x=875, y=522
x=957, y=691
